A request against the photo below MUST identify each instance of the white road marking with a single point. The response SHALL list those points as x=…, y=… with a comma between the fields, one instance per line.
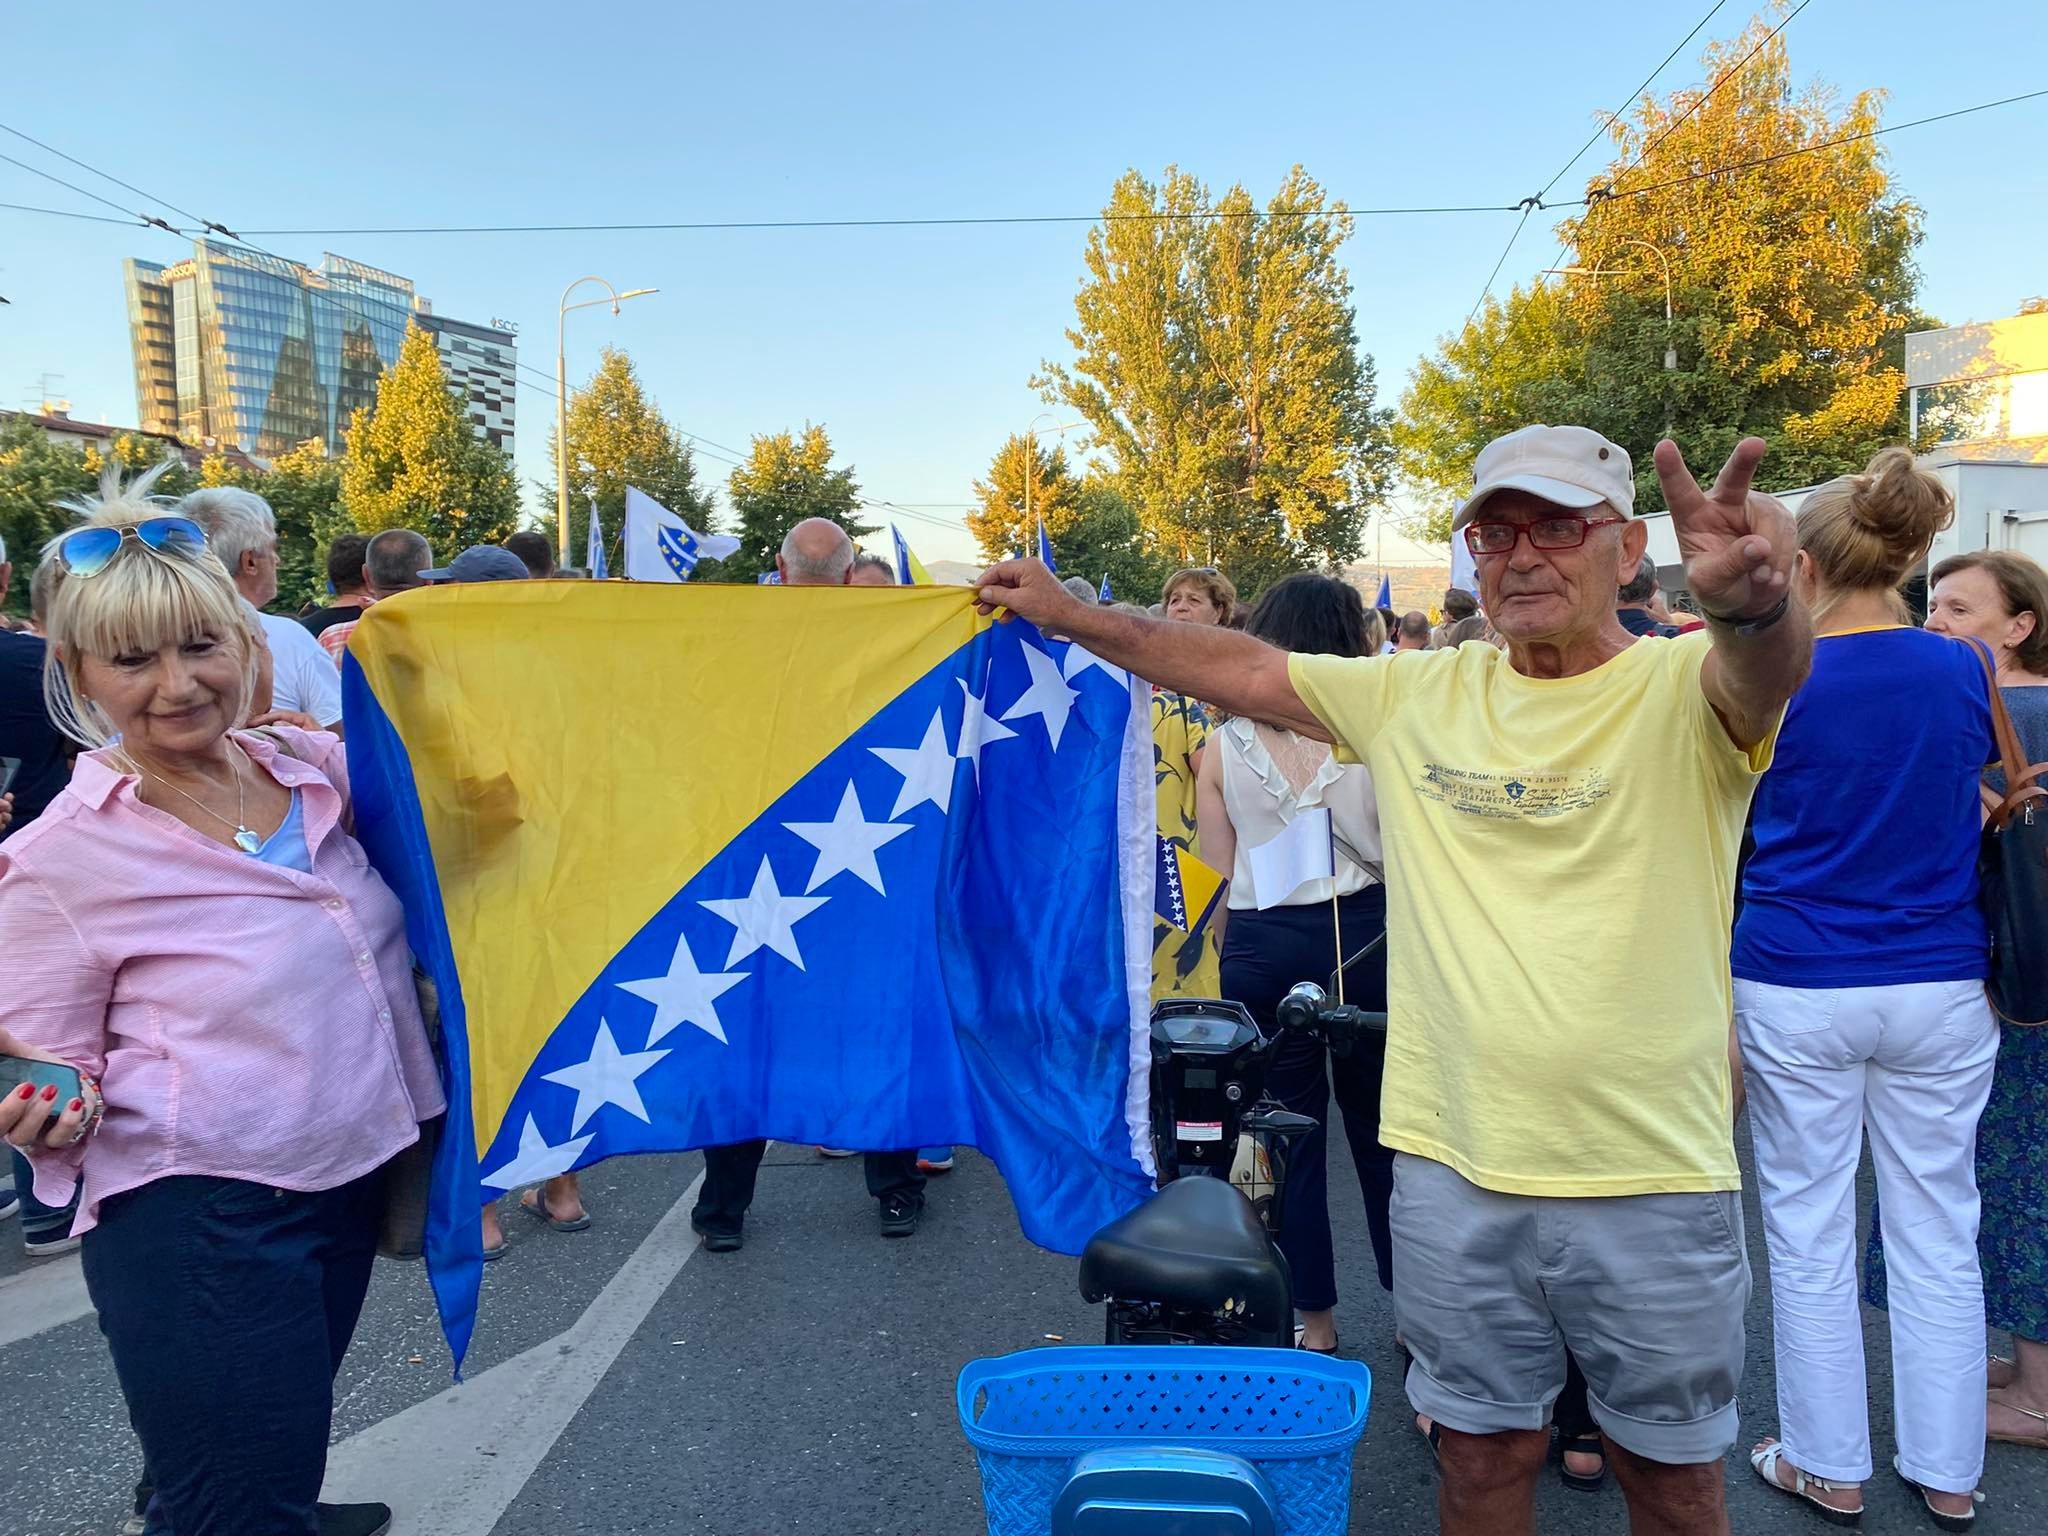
x=452, y=1465
x=48, y=1294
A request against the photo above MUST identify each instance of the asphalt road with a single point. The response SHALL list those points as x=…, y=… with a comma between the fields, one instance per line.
x=625, y=1382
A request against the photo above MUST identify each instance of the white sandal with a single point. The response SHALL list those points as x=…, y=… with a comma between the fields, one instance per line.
x=1941, y=1519
x=1764, y=1461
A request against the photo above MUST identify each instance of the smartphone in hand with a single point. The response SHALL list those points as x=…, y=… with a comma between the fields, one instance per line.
x=16, y=1070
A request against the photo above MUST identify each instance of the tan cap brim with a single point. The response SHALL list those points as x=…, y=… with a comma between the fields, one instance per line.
x=1560, y=492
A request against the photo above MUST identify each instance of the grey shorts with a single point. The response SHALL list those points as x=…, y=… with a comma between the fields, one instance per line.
x=1648, y=1290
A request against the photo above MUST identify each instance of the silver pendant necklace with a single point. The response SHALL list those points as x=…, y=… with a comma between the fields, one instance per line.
x=245, y=839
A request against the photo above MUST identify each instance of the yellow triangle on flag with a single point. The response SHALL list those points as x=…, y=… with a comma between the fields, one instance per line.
x=1200, y=885
x=919, y=576
x=1435, y=615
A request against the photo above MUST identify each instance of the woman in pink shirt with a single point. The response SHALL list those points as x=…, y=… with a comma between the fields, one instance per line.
x=209, y=945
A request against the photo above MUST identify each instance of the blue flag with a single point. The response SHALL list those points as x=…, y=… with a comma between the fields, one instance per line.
x=595, y=557
x=909, y=905
x=1045, y=548
x=1384, y=598
x=1103, y=596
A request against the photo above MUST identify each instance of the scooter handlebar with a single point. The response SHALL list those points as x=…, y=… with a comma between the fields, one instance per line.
x=1308, y=1009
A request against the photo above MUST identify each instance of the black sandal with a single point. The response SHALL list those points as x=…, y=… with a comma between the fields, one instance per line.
x=1582, y=1445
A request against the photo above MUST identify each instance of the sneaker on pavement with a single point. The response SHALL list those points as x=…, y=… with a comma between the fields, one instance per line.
x=900, y=1213
x=354, y=1519
x=49, y=1247
x=837, y=1152
x=719, y=1241
x=935, y=1160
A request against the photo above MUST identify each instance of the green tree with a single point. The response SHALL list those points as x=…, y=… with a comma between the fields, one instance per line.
x=1793, y=287
x=37, y=474
x=415, y=462
x=1216, y=359
x=786, y=478
x=1104, y=538
x=618, y=437
x=1001, y=526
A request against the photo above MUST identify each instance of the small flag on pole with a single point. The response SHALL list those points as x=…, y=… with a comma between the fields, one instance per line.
x=1045, y=548
x=1300, y=852
x=594, y=554
x=662, y=547
x=1184, y=888
x=910, y=571
x=1103, y=596
x=1385, y=596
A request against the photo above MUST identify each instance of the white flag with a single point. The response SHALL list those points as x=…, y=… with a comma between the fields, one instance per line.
x=1300, y=853
x=662, y=547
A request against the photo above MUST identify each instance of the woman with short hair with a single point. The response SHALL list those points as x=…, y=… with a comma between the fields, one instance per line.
x=213, y=951
x=1184, y=964
x=2000, y=598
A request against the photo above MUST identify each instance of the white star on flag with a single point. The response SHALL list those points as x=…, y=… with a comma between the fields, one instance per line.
x=608, y=1077
x=1079, y=660
x=847, y=843
x=765, y=918
x=536, y=1160
x=976, y=729
x=927, y=769
x=685, y=995
x=1048, y=697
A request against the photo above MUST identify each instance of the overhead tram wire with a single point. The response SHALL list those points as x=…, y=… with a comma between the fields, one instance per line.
x=1529, y=205
x=149, y=197
x=1633, y=95
x=1576, y=202
x=1729, y=74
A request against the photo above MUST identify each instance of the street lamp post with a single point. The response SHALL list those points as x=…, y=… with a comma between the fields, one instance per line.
x=1031, y=458
x=1670, y=336
x=615, y=299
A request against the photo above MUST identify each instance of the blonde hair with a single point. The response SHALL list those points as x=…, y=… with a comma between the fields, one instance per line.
x=142, y=601
x=1866, y=532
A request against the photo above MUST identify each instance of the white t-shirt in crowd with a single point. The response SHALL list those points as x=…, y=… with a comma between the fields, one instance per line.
x=302, y=676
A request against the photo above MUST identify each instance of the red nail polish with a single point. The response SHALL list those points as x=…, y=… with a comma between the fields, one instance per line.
x=28, y=1091
x=50, y=1094
x=74, y=1106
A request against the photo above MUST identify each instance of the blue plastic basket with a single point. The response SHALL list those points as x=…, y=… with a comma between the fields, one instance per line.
x=1293, y=1415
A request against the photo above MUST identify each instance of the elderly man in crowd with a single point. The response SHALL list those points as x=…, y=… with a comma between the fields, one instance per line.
x=242, y=532
x=1537, y=1204
x=1412, y=633
x=394, y=561
x=815, y=553
x=1635, y=599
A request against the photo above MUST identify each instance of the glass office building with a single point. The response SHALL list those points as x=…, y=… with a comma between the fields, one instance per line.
x=235, y=348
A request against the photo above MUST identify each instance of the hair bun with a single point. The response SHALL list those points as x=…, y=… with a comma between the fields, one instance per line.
x=1901, y=503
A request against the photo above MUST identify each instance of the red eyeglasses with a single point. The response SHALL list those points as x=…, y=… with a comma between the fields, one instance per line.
x=1499, y=538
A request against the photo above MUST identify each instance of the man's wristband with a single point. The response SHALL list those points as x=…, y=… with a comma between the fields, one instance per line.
x=1755, y=626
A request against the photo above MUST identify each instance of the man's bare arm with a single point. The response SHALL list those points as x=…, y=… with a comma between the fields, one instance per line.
x=1218, y=666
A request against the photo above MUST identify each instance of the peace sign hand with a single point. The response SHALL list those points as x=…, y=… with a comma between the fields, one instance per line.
x=1737, y=543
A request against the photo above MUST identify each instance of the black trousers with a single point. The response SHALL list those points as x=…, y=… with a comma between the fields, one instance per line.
x=1265, y=953
x=228, y=1307
x=729, y=1174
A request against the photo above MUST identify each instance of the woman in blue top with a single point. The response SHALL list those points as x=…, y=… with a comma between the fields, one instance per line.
x=1860, y=959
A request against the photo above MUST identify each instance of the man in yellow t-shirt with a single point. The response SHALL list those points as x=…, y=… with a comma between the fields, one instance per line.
x=1558, y=1088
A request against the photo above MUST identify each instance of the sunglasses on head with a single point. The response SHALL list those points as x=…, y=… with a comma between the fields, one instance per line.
x=88, y=551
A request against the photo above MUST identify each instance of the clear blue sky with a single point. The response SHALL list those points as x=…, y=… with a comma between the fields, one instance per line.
x=912, y=347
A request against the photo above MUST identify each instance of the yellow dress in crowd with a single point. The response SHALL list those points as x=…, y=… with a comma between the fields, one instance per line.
x=1182, y=966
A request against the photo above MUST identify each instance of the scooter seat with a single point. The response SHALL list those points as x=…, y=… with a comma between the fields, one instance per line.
x=1197, y=1244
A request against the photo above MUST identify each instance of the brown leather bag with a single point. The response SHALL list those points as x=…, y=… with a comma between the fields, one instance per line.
x=2012, y=870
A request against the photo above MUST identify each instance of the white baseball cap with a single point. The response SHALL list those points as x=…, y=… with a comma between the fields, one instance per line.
x=1570, y=466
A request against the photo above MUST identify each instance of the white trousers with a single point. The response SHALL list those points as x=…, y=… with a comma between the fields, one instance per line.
x=1912, y=1065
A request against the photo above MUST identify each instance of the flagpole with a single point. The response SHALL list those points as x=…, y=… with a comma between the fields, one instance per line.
x=1336, y=915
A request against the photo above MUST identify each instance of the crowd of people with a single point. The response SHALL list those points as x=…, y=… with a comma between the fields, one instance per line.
x=1544, y=1140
